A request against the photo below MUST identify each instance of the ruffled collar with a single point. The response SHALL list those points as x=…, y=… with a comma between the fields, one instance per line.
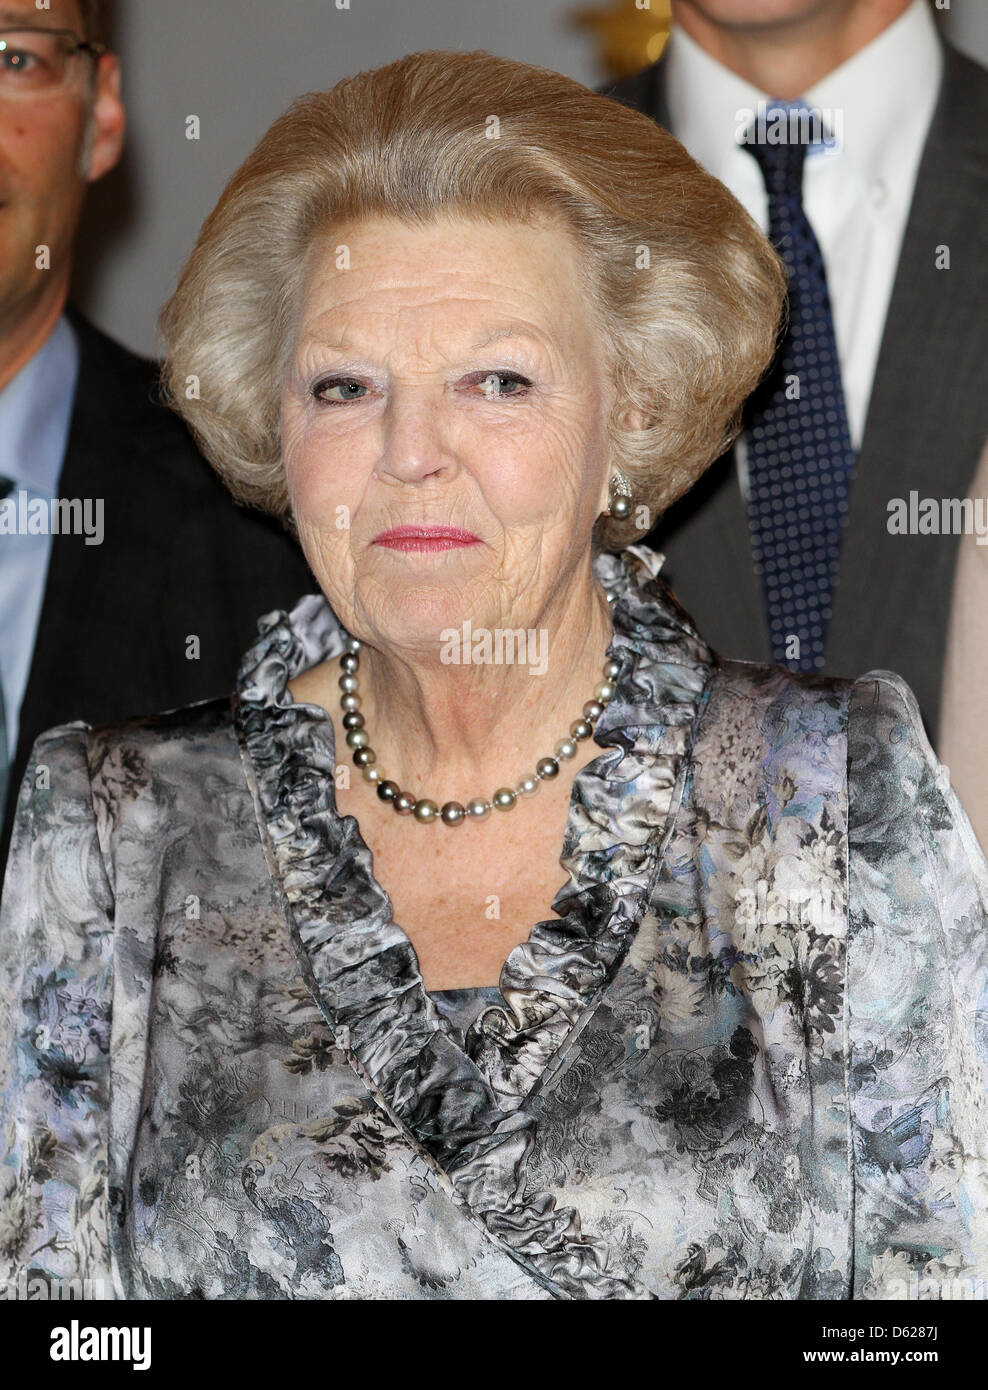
x=361, y=965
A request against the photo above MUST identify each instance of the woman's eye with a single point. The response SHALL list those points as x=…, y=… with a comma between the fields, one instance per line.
x=347, y=387
x=494, y=386
x=497, y=385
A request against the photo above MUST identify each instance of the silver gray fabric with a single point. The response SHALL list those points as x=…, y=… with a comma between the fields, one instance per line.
x=745, y=1059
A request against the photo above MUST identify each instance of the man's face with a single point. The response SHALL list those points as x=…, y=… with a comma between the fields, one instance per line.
x=51, y=146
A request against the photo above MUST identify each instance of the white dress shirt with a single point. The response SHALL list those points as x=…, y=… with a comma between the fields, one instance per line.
x=856, y=192
x=35, y=413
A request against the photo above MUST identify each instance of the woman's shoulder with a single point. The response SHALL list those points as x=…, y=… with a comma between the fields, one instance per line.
x=77, y=771
x=862, y=737
x=756, y=714
x=187, y=724
x=900, y=795
x=884, y=695
x=131, y=798
x=867, y=732
x=890, y=758
x=877, y=713
x=875, y=697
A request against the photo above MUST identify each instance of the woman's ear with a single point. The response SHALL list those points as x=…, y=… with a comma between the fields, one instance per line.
x=633, y=418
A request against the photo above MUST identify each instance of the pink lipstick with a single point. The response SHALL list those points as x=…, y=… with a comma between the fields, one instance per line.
x=426, y=538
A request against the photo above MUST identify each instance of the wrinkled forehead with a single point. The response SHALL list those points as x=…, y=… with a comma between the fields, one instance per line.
x=449, y=283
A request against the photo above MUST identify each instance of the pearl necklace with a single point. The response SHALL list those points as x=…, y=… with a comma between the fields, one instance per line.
x=452, y=813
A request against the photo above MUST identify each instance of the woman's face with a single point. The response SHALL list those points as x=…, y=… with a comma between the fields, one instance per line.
x=448, y=376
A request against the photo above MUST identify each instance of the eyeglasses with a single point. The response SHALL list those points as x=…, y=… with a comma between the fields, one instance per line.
x=35, y=62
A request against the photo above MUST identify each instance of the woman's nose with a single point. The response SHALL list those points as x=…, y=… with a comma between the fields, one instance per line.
x=415, y=444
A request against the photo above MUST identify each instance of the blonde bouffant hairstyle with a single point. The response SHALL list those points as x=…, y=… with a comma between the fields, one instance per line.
x=687, y=291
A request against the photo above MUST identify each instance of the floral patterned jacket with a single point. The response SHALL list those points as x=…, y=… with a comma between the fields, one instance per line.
x=745, y=1059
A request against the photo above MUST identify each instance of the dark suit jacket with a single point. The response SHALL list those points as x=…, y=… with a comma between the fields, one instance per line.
x=178, y=558
x=926, y=424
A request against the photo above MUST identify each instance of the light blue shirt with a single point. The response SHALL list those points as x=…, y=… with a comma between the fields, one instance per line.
x=35, y=411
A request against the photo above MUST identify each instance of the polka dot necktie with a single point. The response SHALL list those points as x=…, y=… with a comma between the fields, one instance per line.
x=799, y=452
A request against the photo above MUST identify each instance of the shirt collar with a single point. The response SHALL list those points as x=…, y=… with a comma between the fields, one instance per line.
x=886, y=93
x=705, y=99
x=35, y=411
x=883, y=93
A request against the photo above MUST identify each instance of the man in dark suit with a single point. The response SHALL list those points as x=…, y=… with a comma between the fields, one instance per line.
x=898, y=212
x=150, y=601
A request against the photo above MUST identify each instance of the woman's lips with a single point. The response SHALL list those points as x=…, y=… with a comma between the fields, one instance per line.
x=426, y=538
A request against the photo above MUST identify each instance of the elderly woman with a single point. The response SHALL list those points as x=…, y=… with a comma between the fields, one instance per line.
x=497, y=939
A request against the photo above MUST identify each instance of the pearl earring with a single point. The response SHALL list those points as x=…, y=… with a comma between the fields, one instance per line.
x=619, y=502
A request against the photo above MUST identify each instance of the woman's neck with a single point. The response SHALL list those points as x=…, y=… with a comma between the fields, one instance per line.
x=485, y=709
